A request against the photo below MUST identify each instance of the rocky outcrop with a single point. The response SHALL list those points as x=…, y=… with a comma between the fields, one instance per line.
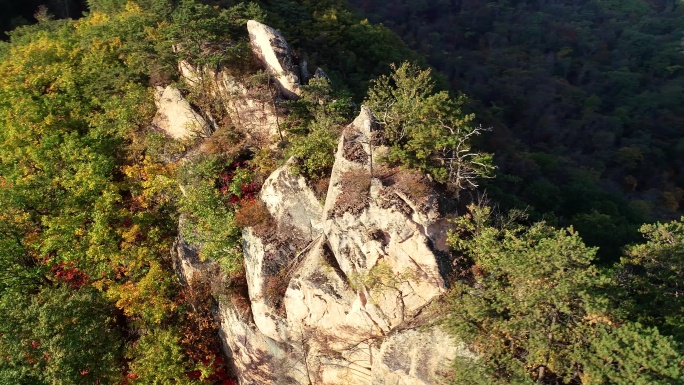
x=335, y=292
x=253, y=110
x=273, y=249
x=338, y=290
x=384, y=237
x=175, y=115
x=274, y=53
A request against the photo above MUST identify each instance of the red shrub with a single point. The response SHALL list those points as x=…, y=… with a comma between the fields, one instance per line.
x=248, y=189
x=69, y=274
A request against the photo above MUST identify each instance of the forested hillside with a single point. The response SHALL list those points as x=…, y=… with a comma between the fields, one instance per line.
x=585, y=99
x=585, y=103
x=89, y=198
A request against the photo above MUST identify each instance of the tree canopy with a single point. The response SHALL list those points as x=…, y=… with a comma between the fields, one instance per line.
x=584, y=99
x=535, y=309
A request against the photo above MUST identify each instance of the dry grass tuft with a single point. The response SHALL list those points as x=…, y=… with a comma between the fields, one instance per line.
x=227, y=140
x=400, y=184
x=353, y=149
x=355, y=195
x=238, y=294
x=251, y=213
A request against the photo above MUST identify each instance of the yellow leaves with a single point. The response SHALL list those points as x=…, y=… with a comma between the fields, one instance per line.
x=147, y=170
x=135, y=171
x=148, y=298
x=132, y=8
x=593, y=319
x=44, y=65
x=100, y=46
x=330, y=14
x=156, y=179
x=96, y=18
x=130, y=236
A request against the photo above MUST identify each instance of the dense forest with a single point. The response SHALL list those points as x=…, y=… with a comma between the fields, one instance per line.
x=584, y=99
x=585, y=104
x=14, y=14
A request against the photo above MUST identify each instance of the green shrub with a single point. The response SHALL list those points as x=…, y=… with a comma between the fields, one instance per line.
x=209, y=220
x=314, y=125
x=427, y=131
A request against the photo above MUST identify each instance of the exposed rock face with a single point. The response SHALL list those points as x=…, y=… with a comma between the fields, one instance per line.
x=304, y=72
x=388, y=238
x=251, y=110
x=337, y=292
x=175, y=115
x=416, y=357
x=320, y=74
x=258, y=359
x=272, y=49
x=272, y=251
x=186, y=261
x=292, y=202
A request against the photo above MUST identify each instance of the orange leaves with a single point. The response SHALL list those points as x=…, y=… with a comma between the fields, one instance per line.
x=251, y=212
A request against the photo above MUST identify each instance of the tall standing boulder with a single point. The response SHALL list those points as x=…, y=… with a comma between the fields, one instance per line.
x=175, y=115
x=274, y=53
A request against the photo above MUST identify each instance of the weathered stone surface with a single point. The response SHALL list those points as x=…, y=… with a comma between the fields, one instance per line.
x=380, y=243
x=272, y=50
x=175, y=115
x=251, y=110
x=416, y=357
x=336, y=294
x=262, y=265
x=320, y=74
x=193, y=76
x=257, y=360
x=319, y=300
x=291, y=201
x=269, y=255
x=304, y=73
x=186, y=261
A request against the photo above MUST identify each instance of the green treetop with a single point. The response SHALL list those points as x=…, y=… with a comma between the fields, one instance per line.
x=529, y=307
x=427, y=130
